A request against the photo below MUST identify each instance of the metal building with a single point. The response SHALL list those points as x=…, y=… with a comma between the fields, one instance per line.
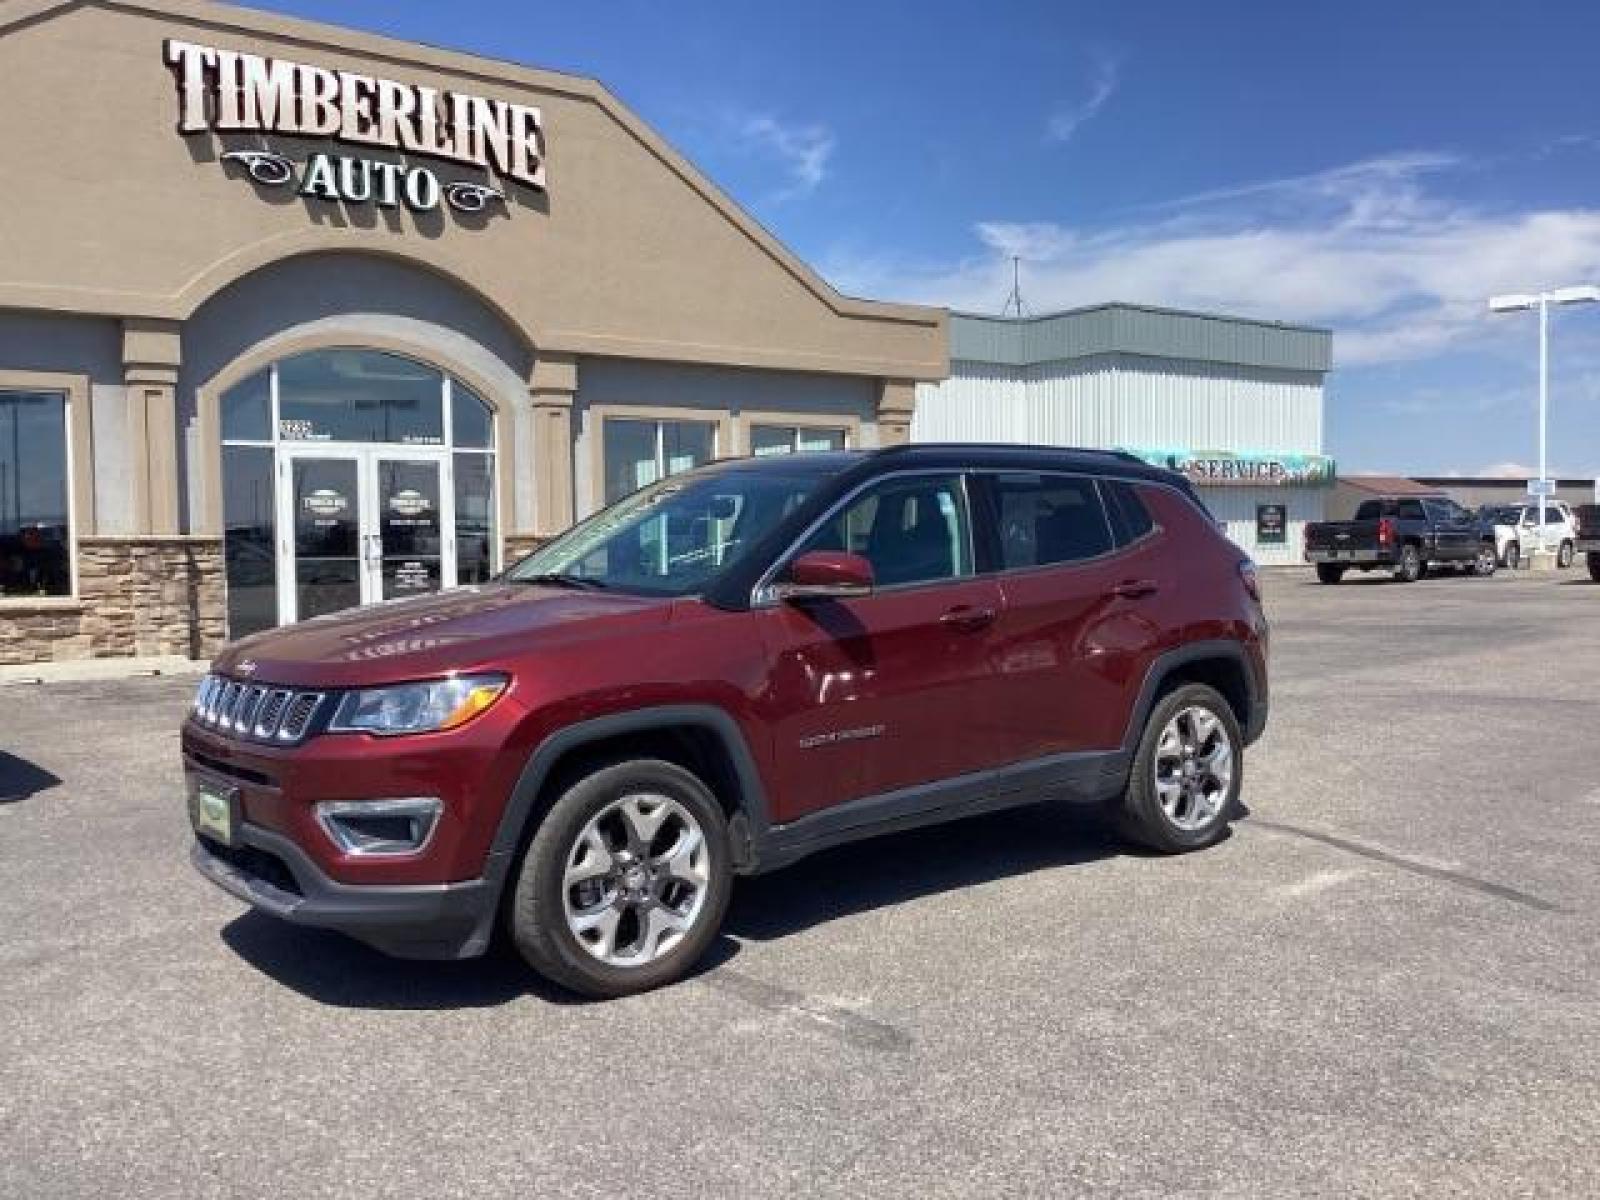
x=1234, y=404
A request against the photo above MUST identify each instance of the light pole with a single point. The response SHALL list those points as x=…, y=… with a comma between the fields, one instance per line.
x=1581, y=294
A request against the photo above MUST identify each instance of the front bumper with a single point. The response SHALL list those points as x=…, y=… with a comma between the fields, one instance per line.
x=274, y=876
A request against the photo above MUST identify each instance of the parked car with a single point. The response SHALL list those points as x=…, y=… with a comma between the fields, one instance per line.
x=1504, y=524
x=1586, y=518
x=1405, y=535
x=725, y=671
x=1560, y=529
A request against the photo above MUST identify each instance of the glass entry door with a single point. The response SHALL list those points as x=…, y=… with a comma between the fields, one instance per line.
x=363, y=524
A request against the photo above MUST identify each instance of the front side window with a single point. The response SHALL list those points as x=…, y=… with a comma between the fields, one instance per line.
x=912, y=530
x=673, y=538
x=35, y=514
x=640, y=452
x=1049, y=519
x=793, y=439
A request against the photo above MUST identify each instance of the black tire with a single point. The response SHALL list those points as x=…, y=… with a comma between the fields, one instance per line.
x=1329, y=572
x=1140, y=816
x=1594, y=565
x=1487, y=560
x=1513, y=558
x=1565, y=555
x=1410, y=567
x=537, y=915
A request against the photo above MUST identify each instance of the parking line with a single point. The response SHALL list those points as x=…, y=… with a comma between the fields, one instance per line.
x=1471, y=882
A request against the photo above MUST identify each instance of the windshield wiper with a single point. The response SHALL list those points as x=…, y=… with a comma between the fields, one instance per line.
x=580, y=583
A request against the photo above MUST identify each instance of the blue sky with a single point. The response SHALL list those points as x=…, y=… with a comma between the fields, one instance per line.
x=1378, y=168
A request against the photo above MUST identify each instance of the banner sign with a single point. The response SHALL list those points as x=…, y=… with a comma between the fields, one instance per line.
x=1225, y=468
x=232, y=92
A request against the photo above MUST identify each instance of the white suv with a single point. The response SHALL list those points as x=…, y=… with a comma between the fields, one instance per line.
x=1516, y=530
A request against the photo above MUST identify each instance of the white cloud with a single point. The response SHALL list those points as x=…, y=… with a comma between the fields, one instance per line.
x=1367, y=248
x=1508, y=470
x=1068, y=119
x=801, y=150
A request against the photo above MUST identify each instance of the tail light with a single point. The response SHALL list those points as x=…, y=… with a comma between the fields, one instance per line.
x=1386, y=531
x=1251, y=578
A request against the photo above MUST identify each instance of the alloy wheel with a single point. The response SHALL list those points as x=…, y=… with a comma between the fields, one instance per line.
x=636, y=879
x=1193, y=768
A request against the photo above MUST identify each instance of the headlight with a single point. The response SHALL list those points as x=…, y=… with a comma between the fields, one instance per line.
x=417, y=707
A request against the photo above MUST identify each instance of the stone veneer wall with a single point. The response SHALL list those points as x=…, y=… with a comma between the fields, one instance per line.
x=520, y=545
x=136, y=596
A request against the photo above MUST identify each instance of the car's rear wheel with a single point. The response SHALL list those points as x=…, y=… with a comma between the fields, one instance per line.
x=1329, y=573
x=625, y=882
x=1513, y=556
x=1184, y=786
x=1565, y=555
x=1594, y=565
x=1409, y=568
x=1487, y=560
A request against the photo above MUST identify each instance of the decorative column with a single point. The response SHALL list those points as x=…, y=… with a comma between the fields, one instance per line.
x=552, y=389
x=150, y=358
x=897, y=401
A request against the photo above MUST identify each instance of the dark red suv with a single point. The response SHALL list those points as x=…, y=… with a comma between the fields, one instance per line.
x=725, y=671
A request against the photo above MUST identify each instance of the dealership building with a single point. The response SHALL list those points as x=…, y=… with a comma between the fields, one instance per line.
x=294, y=318
x=1234, y=404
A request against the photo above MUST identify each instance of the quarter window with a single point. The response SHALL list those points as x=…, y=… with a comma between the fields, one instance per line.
x=793, y=439
x=914, y=530
x=35, y=512
x=639, y=452
x=1130, y=519
x=1048, y=519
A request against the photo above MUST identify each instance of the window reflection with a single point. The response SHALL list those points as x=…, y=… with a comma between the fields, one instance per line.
x=35, y=521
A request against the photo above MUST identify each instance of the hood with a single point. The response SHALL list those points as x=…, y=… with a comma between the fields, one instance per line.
x=467, y=629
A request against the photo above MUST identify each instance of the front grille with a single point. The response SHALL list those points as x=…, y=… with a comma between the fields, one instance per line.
x=257, y=864
x=255, y=712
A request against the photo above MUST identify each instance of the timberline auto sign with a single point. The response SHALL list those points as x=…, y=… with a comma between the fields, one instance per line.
x=1224, y=468
x=228, y=91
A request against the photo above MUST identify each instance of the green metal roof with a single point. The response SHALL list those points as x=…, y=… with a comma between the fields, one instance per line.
x=1136, y=329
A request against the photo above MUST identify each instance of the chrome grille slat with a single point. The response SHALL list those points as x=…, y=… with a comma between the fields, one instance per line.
x=256, y=711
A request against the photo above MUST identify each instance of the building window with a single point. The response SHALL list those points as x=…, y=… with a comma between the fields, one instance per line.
x=793, y=439
x=639, y=452
x=472, y=429
x=35, y=510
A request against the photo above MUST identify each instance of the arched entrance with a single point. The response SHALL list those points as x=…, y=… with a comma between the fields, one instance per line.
x=352, y=475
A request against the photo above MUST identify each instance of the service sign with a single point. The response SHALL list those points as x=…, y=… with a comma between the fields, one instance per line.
x=232, y=92
x=1225, y=468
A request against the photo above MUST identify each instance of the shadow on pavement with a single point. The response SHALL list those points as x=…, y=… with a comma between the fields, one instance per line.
x=925, y=862
x=334, y=970
x=20, y=779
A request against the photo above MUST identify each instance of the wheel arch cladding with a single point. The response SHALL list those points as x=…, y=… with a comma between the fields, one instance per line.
x=1220, y=665
x=705, y=741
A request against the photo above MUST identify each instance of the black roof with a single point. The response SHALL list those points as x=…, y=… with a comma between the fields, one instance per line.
x=957, y=456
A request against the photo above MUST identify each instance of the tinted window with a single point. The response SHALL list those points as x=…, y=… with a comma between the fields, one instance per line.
x=248, y=539
x=360, y=396
x=912, y=530
x=1130, y=519
x=1370, y=510
x=1411, y=510
x=1047, y=519
x=34, y=519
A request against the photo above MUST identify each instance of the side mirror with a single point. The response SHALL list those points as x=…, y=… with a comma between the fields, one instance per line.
x=824, y=575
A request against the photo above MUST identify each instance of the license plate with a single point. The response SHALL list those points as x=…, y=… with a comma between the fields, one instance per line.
x=213, y=809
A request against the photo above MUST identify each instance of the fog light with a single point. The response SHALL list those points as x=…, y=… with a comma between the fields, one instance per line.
x=380, y=828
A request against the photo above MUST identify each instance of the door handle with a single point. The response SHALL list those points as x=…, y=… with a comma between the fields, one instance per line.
x=967, y=618
x=1133, y=589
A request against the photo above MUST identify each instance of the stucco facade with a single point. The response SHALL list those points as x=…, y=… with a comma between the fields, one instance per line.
x=153, y=268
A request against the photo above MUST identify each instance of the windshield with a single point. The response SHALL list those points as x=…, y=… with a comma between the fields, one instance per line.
x=672, y=538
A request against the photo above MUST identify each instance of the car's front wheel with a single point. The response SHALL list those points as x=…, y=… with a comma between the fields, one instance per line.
x=625, y=882
x=1184, y=786
x=1565, y=555
x=1513, y=558
x=1594, y=565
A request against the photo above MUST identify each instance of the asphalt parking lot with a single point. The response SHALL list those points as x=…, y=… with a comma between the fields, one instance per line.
x=1385, y=983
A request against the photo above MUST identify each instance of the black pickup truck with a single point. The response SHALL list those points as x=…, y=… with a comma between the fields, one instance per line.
x=1587, y=543
x=1402, y=534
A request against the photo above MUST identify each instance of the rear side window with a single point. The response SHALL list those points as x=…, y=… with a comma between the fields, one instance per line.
x=1370, y=510
x=1130, y=519
x=1047, y=519
x=1411, y=510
